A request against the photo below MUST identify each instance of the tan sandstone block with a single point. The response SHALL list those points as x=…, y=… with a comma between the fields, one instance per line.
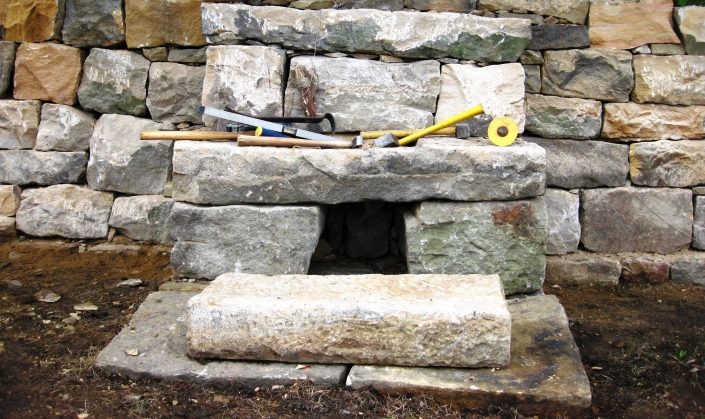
x=49, y=72
x=9, y=200
x=643, y=121
x=630, y=25
x=33, y=20
x=151, y=23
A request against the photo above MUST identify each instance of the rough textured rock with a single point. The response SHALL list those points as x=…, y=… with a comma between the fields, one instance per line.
x=271, y=240
x=9, y=200
x=63, y=128
x=65, y=210
x=175, y=92
x=114, y=82
x=557, y=117
x=690, y=25
x=19, y=123
x=156, y=53
x=8, y=231
x=144, y=217
x=668, y=163
x=584, y=164
x=441, y=5
x=499, y=88
x=532, y=83
x=558, y=37
x=507, y=238
x=633, y=120
x=33, y=20
x=582, y=268
x=120, y=162
x=24, y=167
x=531, y=57
x=671, y=80
x=247, y=79
x=574, y=11
x=562, y=221
x=158, y=331
x=699, y=223
x=94, y=23
x=36, y=70
x=601, y=74
x=153, y=23
x=400, y=96
x=442, y=168
x=367, y=229
x=629, y=25
x=7, y=64
x=689, y=268
x=630, y=219
x=642, y=268
x=667, y=49
x=402, y=34
x=458, y=321
x=545, y=375
x=187, y=55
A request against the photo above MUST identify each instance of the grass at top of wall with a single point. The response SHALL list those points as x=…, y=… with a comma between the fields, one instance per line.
x=682, y=3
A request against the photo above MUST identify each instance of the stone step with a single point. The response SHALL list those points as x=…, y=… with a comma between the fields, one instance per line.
x=416, y=320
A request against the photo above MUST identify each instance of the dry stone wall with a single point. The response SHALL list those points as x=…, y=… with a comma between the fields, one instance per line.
x=614, y=92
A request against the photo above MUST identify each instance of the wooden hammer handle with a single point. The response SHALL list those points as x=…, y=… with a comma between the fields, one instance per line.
x=248, y=140
x=189, y=135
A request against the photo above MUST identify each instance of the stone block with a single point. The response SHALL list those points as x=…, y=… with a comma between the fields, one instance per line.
x=584, y=164
x=667, y=49
x=33, y=20
x=455, y=321
x=583, y=268
x=699, y=223
x=507, y=238
x=499, y=88
x=270, y=240
x=156, y=54
x=535, y=19
x=532, y=82
x=668, y=163
x=187, y=55
x=8, y=231
x=364, y=95
x=7, y=64
x=65, y=210
x=574, y=11
x=602, y=74
x=671, y=80
x=562, y=221
x=94, y=23
x=63, y=128
x=628, y=219
x=402, y=34
x=437, y=168
x=152, y=23
x=144, y=217
x=645, y=268
x=558, y=37
x=690, y=24
x=114, y=81
x=175, y=92
x=689, y=268
x=461, y=6
x=37, y=67
x=531, y=57
x=25, y=167
x=630, y=25
x=558, y=117
x=9, y=200
x=19, y=123
x=634, y=120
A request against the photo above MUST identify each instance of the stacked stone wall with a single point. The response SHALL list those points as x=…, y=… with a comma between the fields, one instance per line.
x=614, y=92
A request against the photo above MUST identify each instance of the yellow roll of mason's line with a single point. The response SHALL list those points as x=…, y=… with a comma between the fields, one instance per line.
x=474, y=111
x=503, y=131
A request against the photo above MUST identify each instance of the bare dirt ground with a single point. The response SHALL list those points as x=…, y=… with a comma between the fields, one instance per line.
x=643, y=347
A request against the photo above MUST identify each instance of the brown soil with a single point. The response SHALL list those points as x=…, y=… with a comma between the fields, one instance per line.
x=643, y=347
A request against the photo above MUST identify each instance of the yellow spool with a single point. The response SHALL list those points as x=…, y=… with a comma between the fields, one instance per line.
x=503, y=131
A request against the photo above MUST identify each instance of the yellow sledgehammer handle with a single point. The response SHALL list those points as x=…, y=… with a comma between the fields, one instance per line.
x=474, y=111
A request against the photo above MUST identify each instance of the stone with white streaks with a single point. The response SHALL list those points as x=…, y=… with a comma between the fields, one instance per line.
x=671, y=80
x=64, y=128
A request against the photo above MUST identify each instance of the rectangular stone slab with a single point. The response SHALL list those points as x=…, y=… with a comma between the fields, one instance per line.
x=442, y=168
x=158, y=332
x=545, y=375
x=420, y=320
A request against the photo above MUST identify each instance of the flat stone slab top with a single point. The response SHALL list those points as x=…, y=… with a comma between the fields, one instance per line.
x=417, y=320
x=157, y=334
x=437, y=168
x=545, y=375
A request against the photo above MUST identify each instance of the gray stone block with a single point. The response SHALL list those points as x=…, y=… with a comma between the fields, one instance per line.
x=19, y=123
x=64, y=128
x=668, y=163
x=558, y=117
x=439, y=5
x=699, y=223
x=562, y=221
x=7, y=63
x=583, y=268
x=689, y=268
x=690, y=25
x=175, y=92
x=144, y=217
x=188, y=55
x=559, y=37
x=96, y=23
x=532, y=83
x=574, y=11
x=25, y=167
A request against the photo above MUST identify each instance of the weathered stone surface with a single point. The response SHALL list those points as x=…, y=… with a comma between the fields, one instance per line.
x=114, y=82
x=271, y=240
x=9, y=200
x=158, y=331
x=441, y=5
x=402, y=34
x=37, y=70
x=558, y=117
x=153, y=23
x=545, y=375
x=562, y=221
x=690, y=25
x=499, y=88
x=7, y=63
x=574, y=11
x=584, y=164
x=667, y=49
x=507, y=238
x=458, y=321
x=558, y=37
x=33, y=20
x=629, y=25
x=120, y=162
x=367, y=229
x=668, y=163
x=247, y=79
x=175, y=92
x=699, y=224
x=633, y=120
x=601, y=74
x=19, y=123
x=188, y=55
x=24, y=167
x=65, y=210
x=8, y=231
x=642, y=268
x=400, y=96
x=689, y=268
x=144, y=217
x=156, y=53
x=630, y=219
x=94, y=23
x=582, y=268
x=535, y=19
x=531, y=57
x=532, y=83
x=441, y=168
x=672, y=80
x=64, y=128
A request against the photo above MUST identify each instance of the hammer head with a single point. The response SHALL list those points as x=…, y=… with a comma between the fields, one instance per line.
x=387, y=140
x=358, y=141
